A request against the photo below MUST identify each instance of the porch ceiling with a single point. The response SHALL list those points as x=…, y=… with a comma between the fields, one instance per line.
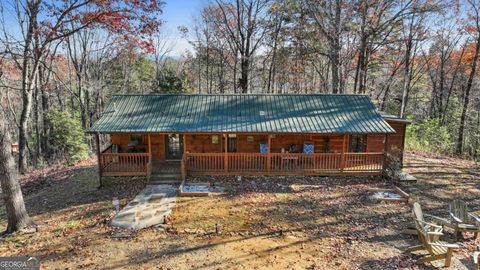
x=172, y=113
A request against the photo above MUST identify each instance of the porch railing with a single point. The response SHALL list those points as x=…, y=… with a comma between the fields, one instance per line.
x=246, y=162
x=364, y=162
x=282, y=163
x=130, y=164
x=125, y=164
x=309, y=163
x=207, y=163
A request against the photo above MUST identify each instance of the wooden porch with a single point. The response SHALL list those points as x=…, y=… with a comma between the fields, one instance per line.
x=143, y=162
x=124, y=164
x=197, y=164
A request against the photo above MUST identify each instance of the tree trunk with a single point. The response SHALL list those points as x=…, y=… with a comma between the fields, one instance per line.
x=271, y=69
x=335, y=58
x=45, y=109
x=235, y=63
x=406, y=80
x=407, y=71
x=466, y=100
x=22, y=133
x=81, y=99
x=243, y=81
x=17, y=216
x=29, y=71
x=357, y=86
x=336, y=48
x=36, y=109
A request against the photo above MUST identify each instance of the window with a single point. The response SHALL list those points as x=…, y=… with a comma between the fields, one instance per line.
x=358, y=143
x=214, y=139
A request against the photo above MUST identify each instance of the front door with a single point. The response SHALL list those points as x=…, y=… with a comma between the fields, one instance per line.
x=174, y=149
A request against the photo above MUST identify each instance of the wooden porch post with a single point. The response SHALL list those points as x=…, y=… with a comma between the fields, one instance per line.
x=184, y=144
x=385, y=151
x=269, y=156
x=149, y=147
x=344, y=150
x=184, y=157
x=149, y=164
x=97, y=142
x=403, y=144
x=225, y=155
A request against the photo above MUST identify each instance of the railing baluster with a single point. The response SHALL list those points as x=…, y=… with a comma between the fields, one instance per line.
x=256, y=162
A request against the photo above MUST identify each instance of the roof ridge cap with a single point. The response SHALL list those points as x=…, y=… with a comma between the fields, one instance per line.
x=247, y=94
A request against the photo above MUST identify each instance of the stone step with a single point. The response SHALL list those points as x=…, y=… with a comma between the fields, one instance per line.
x=149, y=208
x=406, y=177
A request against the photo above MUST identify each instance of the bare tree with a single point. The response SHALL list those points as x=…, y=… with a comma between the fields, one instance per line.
x=330, y=19
x=17, y=215
x=413, y=33
x=42, y=24
x=241, y=21
x=474, y=27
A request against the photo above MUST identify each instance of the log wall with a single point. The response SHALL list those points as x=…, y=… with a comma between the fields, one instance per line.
x=157, y=142
x=202, y=143
x=375, y=143
x=396, y=141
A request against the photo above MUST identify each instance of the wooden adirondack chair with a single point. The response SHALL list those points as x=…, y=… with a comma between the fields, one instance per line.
x=428, y=234
x=476, y=257
x=436, y=230
x=461, y=220
x=437, y=221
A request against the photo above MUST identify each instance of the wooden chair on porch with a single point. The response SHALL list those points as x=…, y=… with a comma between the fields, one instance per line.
x=428, y=235
x=461, y=220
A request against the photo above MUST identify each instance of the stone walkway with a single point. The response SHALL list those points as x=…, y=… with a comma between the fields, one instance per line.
x=150, y=207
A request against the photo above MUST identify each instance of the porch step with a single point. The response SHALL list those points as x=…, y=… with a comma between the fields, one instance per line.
x=165, y=178
x=165, y=182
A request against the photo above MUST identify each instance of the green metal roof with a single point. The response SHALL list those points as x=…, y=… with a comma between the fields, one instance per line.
x=289, y=113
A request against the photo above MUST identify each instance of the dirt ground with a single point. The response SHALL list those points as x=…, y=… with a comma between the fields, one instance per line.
x=259, y=223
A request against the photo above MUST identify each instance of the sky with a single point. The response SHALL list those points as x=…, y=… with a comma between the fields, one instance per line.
x=179, y=13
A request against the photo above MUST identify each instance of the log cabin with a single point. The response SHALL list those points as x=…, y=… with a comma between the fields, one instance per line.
x=246, y=134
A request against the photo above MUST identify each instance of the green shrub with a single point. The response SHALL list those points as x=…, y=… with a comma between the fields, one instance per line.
x=66, y=138
x=429, y=136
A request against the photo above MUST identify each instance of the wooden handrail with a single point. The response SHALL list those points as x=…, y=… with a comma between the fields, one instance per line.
x=205, y=154
x=126, y=163
x=304, y=154
x=249, y=163
x=365, y=154
x=126, y=154
x=283, y=163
